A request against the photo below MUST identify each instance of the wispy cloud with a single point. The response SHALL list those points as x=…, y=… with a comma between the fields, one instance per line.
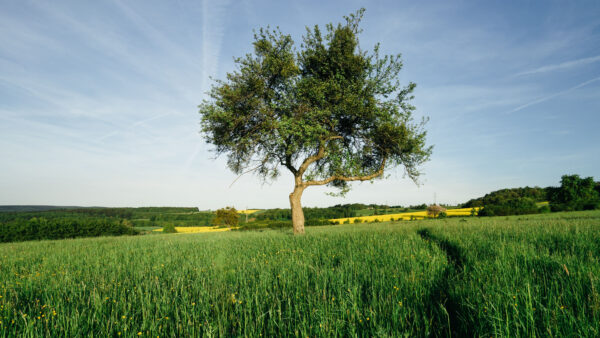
x=560, y=66
x=551, y=96
x=213, y=30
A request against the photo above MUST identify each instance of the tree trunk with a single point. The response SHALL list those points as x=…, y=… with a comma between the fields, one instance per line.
x=297, y=213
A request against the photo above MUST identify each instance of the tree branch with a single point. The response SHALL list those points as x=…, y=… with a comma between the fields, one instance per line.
x=250, y=170
x=379, y=172
x=312, y=159
x=288, y=164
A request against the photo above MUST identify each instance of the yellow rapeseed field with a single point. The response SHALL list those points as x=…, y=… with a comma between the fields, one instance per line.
x=248, y=211
x=193, y=230
x=405, y=216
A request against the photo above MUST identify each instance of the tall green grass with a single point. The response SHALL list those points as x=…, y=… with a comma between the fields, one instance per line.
x=483, y=277
x=347, y=281
x=525, y=275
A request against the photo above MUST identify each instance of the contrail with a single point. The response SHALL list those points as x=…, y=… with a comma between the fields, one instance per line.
x=546, y=98
x=133, y=125
x=563, y=65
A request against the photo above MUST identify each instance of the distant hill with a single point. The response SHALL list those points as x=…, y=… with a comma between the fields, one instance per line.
x=497, y=197
x=25, y=208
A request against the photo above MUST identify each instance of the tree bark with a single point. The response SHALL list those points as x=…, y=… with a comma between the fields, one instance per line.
x=297, y=213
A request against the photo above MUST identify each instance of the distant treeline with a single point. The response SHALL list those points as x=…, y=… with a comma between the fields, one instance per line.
x=320, y=216
x=138, y=216
x=41, y=228
x=25, y=208
x=86, y=222
x=338, y=211
x=575, y=193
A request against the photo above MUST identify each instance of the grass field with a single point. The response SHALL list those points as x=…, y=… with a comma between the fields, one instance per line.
x=504, y=276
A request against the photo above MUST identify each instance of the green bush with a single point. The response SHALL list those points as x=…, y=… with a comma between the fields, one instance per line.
x=169, y=229
x=226, y=217
x=544, y=209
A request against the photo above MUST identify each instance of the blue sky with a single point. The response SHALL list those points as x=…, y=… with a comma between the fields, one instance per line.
x=98, y=99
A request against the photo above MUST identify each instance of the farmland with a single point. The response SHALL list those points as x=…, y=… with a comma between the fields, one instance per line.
x=404, y=216
x=498, y=276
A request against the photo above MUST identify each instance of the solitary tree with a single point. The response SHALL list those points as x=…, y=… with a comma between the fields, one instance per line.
x=330, y=113
x=227, y=216
x=435, y=210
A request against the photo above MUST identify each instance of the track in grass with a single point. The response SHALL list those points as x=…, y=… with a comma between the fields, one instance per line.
x=514, y=276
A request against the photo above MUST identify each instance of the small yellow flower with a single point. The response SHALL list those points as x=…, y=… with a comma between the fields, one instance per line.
x=368, y=318
x=193, y=304
x=139, y=333
x=119, y=333
x=124, y=317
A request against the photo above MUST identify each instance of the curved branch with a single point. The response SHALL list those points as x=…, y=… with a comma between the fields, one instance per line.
x=378, y=173
x=250, y=170
x=312, y=159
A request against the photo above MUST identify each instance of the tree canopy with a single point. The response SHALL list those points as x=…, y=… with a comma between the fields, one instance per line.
x=328, y=112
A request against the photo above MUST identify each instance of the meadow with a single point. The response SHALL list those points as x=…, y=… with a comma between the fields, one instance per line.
x=535, y=275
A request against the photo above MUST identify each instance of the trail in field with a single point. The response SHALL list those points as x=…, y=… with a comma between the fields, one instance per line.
x=449, y=319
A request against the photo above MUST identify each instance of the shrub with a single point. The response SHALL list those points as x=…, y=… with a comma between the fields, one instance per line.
x=434, y=210
x=316, y=222
x=226, y=217
x=544, y=209
x=169, y=229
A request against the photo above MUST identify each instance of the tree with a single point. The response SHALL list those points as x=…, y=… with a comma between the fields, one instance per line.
x=227, y=216
x=435, y=210
x=575, y=193
x=329, y=113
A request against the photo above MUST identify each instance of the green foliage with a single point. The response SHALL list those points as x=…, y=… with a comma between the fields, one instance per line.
x=338, y=211
x=42, y=228
x=265, y=224
x=329, y=113
x=317, y=222
x=544, y=209
x=575, y=193
x=499, y=197
x=515, y=206
x=227, y=217
x=169, y=229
